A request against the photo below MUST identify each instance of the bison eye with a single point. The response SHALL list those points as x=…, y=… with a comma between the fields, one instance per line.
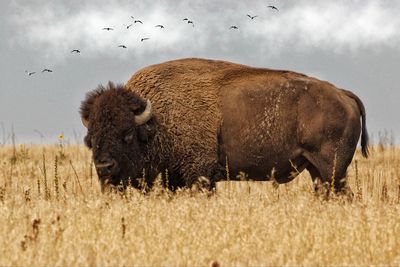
x=128, y=138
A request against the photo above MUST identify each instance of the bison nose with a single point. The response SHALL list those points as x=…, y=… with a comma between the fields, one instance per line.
x=106, y=167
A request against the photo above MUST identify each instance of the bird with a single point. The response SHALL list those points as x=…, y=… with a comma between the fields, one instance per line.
x=234, y=27
x=273, y=7
x=30, y=73
x=122, y=46
x=75, y=51
x=108, y=29
x=132, y=17
x=138, y=21
x=190, y=22
x=185, y=19
x=47, y=70
x=144, y=39
x=128, y=26
x=252, y=17
x=160, y=26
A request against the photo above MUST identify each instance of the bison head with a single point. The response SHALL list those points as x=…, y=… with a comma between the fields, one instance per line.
x=118, y=132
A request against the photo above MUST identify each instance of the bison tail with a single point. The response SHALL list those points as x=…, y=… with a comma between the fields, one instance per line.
x=364, y=132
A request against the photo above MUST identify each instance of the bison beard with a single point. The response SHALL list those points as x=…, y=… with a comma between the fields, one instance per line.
x=193, y=118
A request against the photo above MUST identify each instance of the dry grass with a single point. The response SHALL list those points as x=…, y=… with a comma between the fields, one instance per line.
x=53, y=214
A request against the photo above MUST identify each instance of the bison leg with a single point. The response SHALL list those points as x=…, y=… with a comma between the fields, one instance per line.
x=297, y=165
x=327, y=166
x=204, y=176
x=316, y=177
x=173, y=181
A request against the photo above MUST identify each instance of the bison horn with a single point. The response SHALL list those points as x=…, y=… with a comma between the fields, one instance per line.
x=85, y=122
x=145, y=116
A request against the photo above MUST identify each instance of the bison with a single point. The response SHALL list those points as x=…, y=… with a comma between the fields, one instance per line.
x=192, y=118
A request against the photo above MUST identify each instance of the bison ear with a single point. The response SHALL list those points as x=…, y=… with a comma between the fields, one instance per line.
x=85, y=110
x=88, y=141
x=145, y=133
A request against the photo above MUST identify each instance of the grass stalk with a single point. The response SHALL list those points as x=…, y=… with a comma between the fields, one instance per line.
x=76, y=177
x=56, y=179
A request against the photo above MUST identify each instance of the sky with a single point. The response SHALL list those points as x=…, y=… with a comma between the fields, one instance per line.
x=352, y=44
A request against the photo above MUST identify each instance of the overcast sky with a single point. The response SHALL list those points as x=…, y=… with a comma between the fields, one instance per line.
x=353, y=44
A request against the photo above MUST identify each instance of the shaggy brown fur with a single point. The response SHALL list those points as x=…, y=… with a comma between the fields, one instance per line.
x=208, y=114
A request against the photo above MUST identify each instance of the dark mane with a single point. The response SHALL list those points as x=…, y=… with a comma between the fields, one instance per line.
x=91, y=97
x=138, y=105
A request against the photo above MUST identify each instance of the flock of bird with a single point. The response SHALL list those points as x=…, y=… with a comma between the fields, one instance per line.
x=187, y=20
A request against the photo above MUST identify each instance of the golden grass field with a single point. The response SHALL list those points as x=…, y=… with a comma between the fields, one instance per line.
x=52, y=213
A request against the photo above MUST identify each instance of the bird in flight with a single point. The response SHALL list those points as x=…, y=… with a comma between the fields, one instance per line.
x=234, y=27
x=185, y=19
x=190, y=22
x=75, y=51
x=144, y=39
x=138, y=21
x=273, y=7
x=47, y=70
x=160, y=26
x=252, y=17
x=128, y=26
x=122, y=46
x=108, y=29
x=30, y=73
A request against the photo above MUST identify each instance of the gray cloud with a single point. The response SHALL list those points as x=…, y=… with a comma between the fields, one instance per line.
x=340, y=26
